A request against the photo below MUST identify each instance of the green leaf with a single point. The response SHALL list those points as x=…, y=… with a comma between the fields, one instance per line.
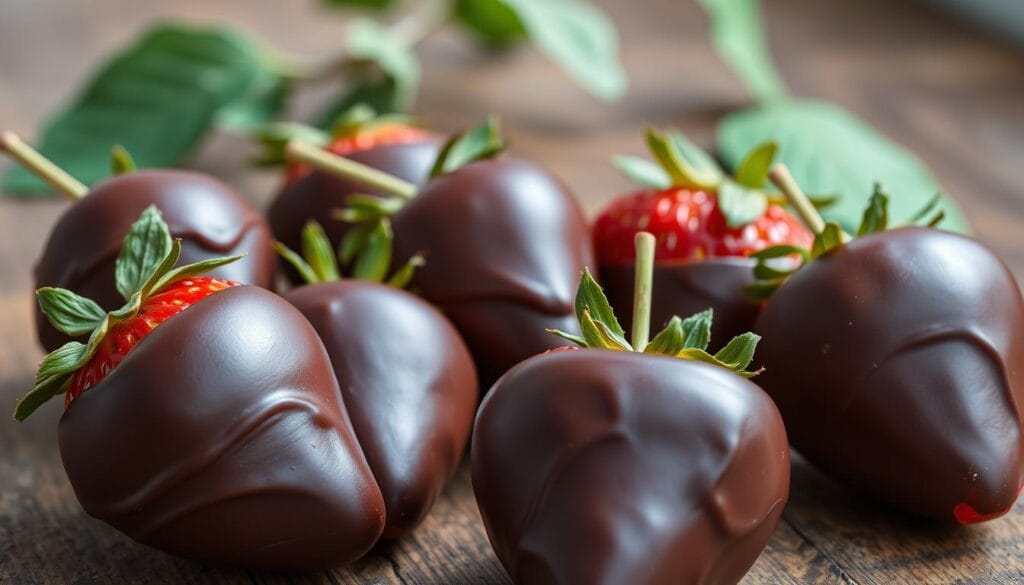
x=642, y=171
x=355, y=241
x=579, y=38
x=697, y=330
x=194, y=269
x=368, y=41
x=264, y=102
x=403, y=276
x=830, y=237
x=828, y=150
x=52, y=377
x=63, y=360
x=678, y=163
x=739, y=204
x=160, y=271
x=374, y=205
x=379, y=92
x=352, y=120
x=927, y=212
x=738, y=36
x=306, y=272
x=739, y=352
x=591, y=299
x=147, y=244
x=780, y=251
x=598, y=334
x=762, y=290
x=696, y=157
x=375, y=261
x=121, y=161
x=669, y=341
x=41, y=392
x=318, y=252
x=876, y=215
x=481, y=142
x=490, y=21
x=157, y=97
x=275, y=136
x=568, y=337
x=68, y=312
x=753, y=171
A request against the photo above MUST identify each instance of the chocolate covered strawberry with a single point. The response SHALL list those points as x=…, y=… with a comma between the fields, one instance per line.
x=894, y=357
x=706, y=225
x=390, y=144
x=504, y=242
x=635, y=462
x=407, y=379
x=203, y=417
x=209, y=217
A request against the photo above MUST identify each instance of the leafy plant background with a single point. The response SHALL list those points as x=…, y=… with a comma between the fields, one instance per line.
x=161, y=95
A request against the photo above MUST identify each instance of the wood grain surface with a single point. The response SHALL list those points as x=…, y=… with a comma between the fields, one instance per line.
x=945, y=90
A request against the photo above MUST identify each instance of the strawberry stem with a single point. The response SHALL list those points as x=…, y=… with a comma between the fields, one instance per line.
x=644, y=242
x=316, y=157
x=782, y=179
x=41, y=166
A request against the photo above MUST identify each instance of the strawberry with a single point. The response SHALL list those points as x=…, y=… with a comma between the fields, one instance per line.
x=694, y=210
x=123, y=337
x=689, y=225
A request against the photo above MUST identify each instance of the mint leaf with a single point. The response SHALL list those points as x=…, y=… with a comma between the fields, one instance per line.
x=642, y=171
x=579, y=38
x=740, y=205
x=147, y=244
x=68, y=312
x=490, y=21
x=876, y=214
x=738, y=35
x=482, y=142
x=367, y=41
x=318, y=252
x=592, y=300
x=753, y=171
x=157, y=97
x=829, y=150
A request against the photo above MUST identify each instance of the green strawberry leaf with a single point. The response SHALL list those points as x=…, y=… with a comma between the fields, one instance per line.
x=306, y=272
x=642, y=171
x=829, y=150
x=739, y=352
x=740, y=205
x=579, y=38
x=375, y=261
x=194, y=269
x=669, y=340
x=68, y=312
x=590, y=298
x=378, y=91
x=403, y=276
x=598, y=334
x=829, y=238
x=752, y=172
x=680, y=161
x=274, y=138
x=121, y=161
x=697, y=330
x=147, y=244
x=491, y=22
x=738, y=36
x=157, y=97
x=355, y=241
x=481, y=142
x=876, y=214
x=371, y=43
x=318, y=252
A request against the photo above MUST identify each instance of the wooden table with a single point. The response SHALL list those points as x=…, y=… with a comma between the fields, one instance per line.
x=945, y=90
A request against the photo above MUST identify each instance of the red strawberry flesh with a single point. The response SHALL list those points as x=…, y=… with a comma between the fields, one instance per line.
x=371, y=137
x=123, y=337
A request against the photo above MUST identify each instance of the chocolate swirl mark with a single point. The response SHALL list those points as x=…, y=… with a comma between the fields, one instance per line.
x=258, y=417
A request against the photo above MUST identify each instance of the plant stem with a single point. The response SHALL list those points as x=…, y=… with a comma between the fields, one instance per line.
x=642, y=290
x=782, y=179
x=420, y=23
x=297, y=151
x=41, y=166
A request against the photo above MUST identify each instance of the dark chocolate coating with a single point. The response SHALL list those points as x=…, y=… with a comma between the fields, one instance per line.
x=896, y=362
x=594, y=467
x=209, y=217
x=223, y=437
x=505, y=245
x=682, y=289
x=315, y=195
x=408, y=382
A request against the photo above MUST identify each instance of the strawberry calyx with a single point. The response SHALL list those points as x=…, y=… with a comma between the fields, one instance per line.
x=366, y=250
x=145, y=269
x=687, y=338
x=774, y=264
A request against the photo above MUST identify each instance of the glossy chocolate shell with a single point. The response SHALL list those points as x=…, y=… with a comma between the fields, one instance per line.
x=223, y=437
x=505, y=245
x=594, y=467
x=682, y=289
x=896, y=361
x=210, y=218
x=408, y=382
